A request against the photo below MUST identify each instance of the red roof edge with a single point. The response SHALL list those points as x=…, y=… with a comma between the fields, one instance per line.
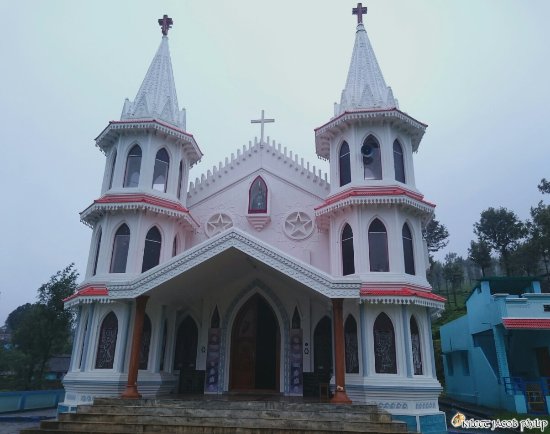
x=526, y=323
x=98, y=290
x=403, y=292
x=151, y=200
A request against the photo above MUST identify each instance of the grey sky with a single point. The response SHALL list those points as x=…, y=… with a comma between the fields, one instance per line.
x=476, y=72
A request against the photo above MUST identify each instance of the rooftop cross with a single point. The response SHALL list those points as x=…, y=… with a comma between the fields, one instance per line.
x=165, y=23
x=262, y=121
x=359, y=11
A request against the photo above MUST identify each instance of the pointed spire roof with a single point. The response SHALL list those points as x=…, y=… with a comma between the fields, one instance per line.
x=365, y=86
x=156, y=98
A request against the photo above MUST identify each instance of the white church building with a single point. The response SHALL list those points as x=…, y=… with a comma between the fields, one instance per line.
x=261, y=276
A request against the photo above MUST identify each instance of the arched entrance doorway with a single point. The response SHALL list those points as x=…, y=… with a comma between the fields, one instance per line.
x=255, y=348
x=190, y=380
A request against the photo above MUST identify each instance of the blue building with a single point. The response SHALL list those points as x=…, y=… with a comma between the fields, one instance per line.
x=498, y=354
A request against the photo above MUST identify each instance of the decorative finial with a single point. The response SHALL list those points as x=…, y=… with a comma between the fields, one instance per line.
x=165, y=24
x=262, y=121
x=359, y=11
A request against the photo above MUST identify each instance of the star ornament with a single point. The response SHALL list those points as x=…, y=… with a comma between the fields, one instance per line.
x=218, y=223
x=298, y=225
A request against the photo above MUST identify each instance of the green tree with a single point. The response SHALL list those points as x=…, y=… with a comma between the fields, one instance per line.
x=453, y=271
x=525, y=258
x=436, y=236
x=480, y=254
x=544, y=186
x=501, y=229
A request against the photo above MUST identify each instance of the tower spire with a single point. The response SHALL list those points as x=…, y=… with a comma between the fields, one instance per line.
x=365, y=85
x=156, y=97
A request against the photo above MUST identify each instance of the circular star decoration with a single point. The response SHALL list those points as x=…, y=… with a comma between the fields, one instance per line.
x=217, y=223
x=298, y=225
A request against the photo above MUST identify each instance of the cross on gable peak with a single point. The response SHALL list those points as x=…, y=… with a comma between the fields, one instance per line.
x=359, y=11
x=165, y=24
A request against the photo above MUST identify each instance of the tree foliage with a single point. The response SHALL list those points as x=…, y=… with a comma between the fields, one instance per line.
x=544, y=186
x=453, y=271
x=436, y=236
x=480, y=254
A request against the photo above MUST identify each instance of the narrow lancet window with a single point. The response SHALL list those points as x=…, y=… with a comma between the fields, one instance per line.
x=408, y=252
x=344, y=164
x=372, y=162
x=257, y=197
x=180, y=179
x=106, y=346
x=175, y=247
x=133, y=167
x=97, y=247
x=121, y=244
x=151, y=252
x=378, y=247
x=398, y=162
x=416, y=347
x=145, y=343
x=384, y=345
x=112, y=174
x=348, y=260
x=352, y=351
x=296, y=321
x=215, y=320
x=160, y=172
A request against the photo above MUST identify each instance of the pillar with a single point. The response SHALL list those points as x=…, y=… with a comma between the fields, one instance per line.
x=340, y=396
x=131, y=391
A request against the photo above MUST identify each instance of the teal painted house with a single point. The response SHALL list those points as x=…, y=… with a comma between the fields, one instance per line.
x=498, y=354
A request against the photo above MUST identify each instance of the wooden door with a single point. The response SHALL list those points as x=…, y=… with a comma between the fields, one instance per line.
x=243, y=347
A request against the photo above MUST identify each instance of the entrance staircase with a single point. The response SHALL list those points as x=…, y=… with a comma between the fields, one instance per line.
x=219, y=416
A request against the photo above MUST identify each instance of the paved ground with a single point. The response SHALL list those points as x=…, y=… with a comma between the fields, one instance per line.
x=12, y=423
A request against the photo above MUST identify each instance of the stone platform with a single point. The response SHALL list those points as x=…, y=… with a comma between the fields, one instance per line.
x=224, y=415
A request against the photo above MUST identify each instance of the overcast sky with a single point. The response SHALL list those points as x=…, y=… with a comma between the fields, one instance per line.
x=475, y=71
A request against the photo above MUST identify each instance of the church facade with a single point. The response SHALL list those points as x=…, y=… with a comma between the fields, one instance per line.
x=260, y=276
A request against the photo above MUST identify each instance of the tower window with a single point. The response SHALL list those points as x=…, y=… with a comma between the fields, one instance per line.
x=151, y=252
x=398, y=162
x=416, y=347
x=378, y=247
x=160, y=172
x=112, y=175
x=121, y=244
x=106, y=346
x=384, y=345
x=175, y=247
x=408, y=252
x=348, y=260
x=257, y=196
x=372, y=162
x=133, y=167
x=180, y=179
x=344, y=167
x=97, y=247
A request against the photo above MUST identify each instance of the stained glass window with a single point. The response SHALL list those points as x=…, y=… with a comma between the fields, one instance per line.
x=416, y=347
x=408, y=253
x=133, y=167
x=384, y=345
x=398, y=162
x=106, y=345
x=151, y=252
x=352, y=351
x=348, y=261
x=344, y=164
x=160, y=171
x=257, y=198
x=121, y=243
x=145, y=343
x=378, y=247
x=372, y=162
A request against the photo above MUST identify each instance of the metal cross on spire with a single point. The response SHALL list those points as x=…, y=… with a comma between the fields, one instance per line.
x=359, y=11
x=165, y=24
x=262, y=121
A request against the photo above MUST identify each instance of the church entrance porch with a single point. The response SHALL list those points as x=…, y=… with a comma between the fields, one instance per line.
x=255, y=348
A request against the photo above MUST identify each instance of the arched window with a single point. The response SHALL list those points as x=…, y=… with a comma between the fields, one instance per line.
x=322, y=347
x=151, y=252
x=372, y=162
x=378, y=247
x=257, y=196
x=106, y=345
x=384, y=345
x=408, y=254
x=121, y=244
x=296, y=320
x=344, y=164
x=215, y=320
x=398, y=162
x=145, y=343
x=180, y=179
x=133, y=167
x=352, y=351
x=112, y=174
x=416, y=347
x=97, y=247
x=348, y=261
x=175, y=247
x=160, y=172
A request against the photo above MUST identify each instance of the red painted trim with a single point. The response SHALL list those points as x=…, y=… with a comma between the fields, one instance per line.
x=369, y=111
x=89, y=291
x=403, y=292
x=526, y=323
x=151, y=200
x=373, y=191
